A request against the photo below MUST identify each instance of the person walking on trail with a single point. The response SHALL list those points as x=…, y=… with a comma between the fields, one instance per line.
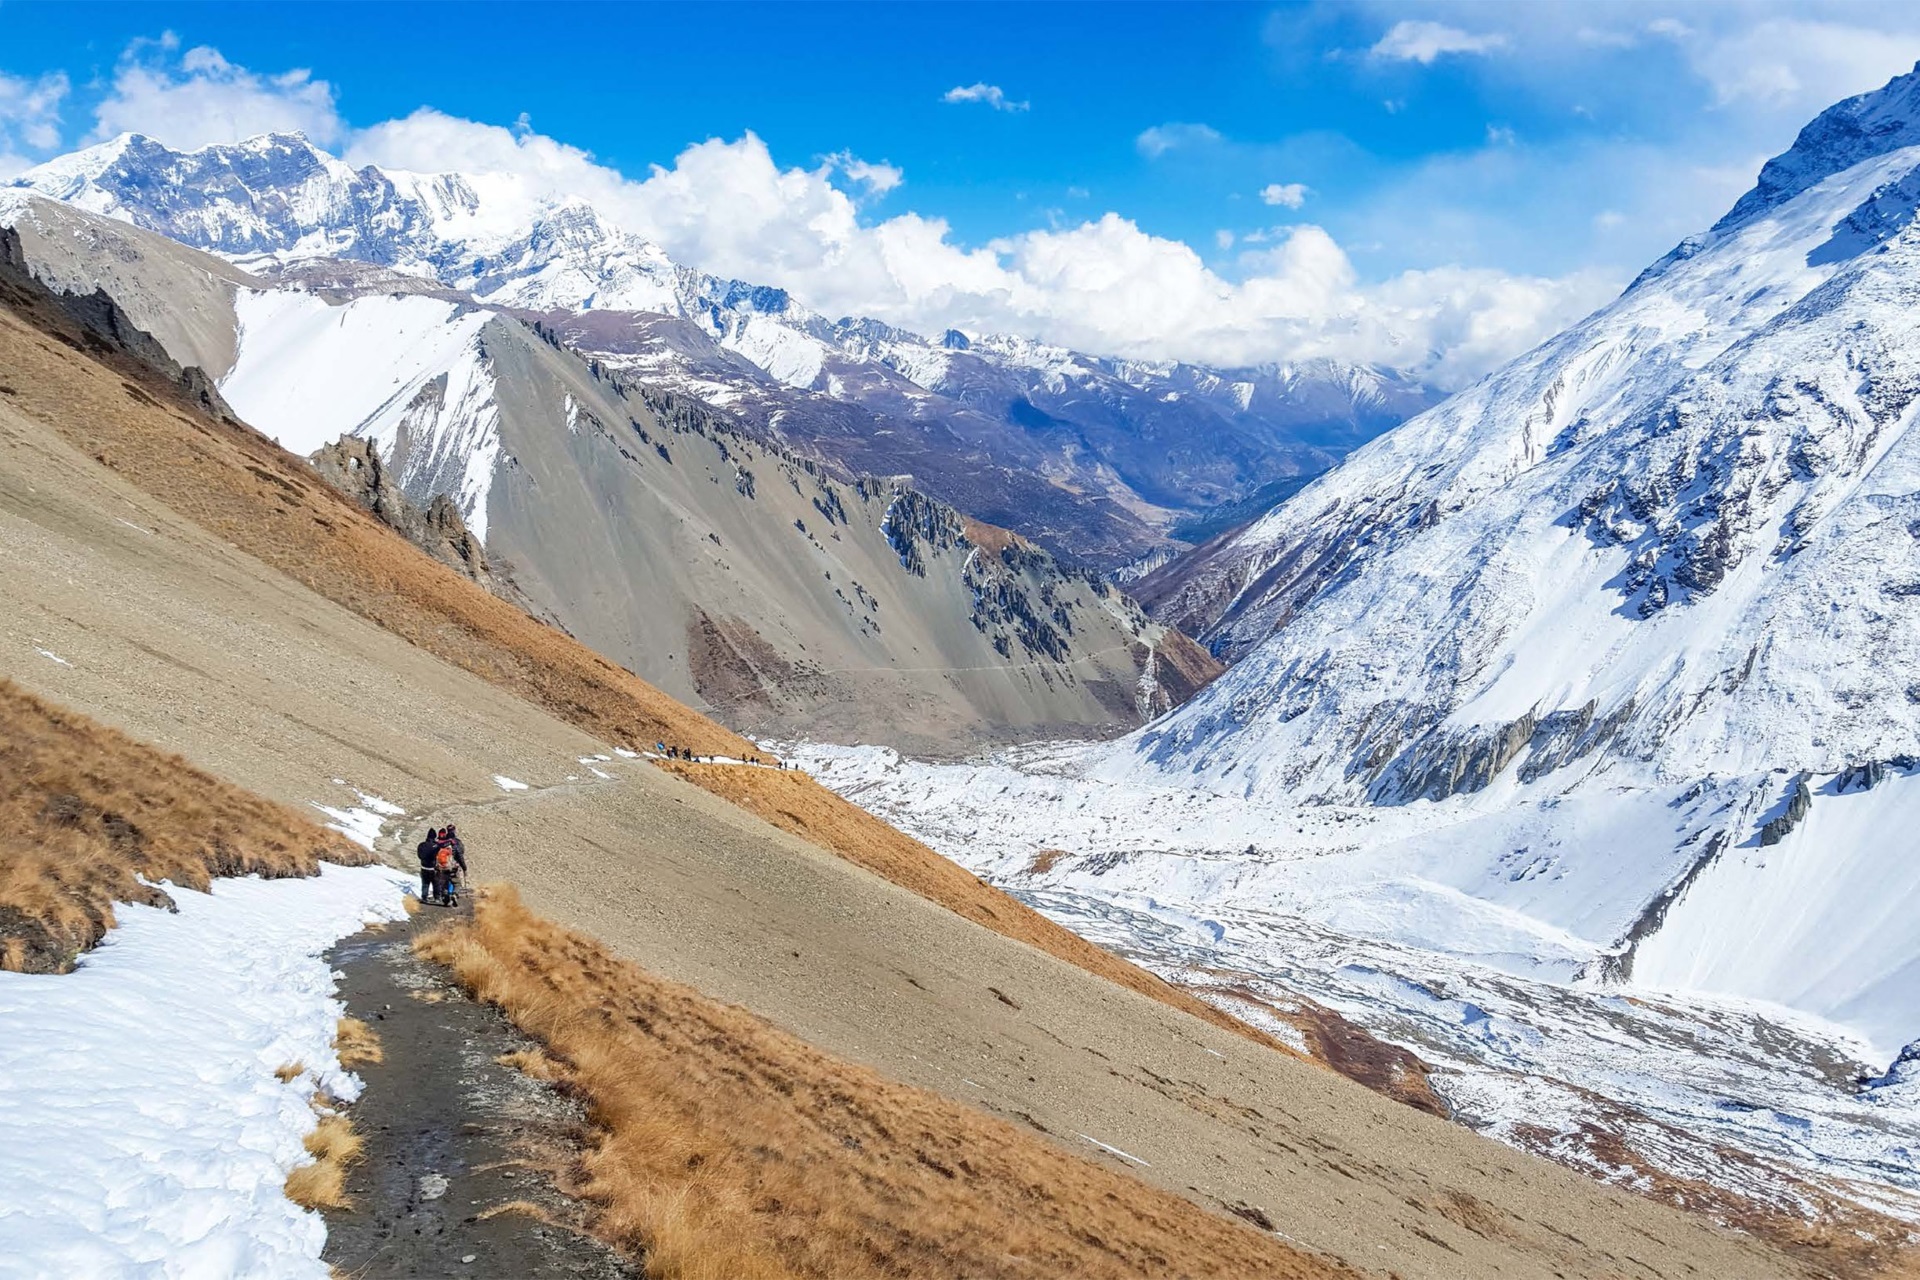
x=428, y=849
x=448, y=855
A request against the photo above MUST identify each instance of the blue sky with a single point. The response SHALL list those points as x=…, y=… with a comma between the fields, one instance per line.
x=1463, y=178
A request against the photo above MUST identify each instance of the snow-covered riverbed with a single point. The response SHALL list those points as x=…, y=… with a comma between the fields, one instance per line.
x=1429, y=942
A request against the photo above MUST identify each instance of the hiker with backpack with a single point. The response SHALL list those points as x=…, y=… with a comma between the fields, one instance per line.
x=450, y=855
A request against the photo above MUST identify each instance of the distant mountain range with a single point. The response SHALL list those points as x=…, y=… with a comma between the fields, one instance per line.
x=1102, y=460
x=681, y=542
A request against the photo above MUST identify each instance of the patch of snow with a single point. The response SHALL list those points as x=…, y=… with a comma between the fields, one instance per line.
x=51, y=656
x=142, y=1130
x=505, y=783
x=1113, y=1150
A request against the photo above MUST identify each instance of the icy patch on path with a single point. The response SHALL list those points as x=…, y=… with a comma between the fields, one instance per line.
x=142, y=1130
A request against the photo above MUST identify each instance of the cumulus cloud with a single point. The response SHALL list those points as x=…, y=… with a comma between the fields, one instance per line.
x=1104, y=285
x=991, y=94
x=1289, y=195
x=29, y=117
x=878, y=179
x=1415, y=40
x=1162, y=138
x=191, y=99
x=1101, y=284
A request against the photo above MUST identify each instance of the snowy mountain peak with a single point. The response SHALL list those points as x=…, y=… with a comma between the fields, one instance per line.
x=1860, y=128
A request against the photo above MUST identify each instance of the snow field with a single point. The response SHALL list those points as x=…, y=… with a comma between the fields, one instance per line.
x=142, y=1129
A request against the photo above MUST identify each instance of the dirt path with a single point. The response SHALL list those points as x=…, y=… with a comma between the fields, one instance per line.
x=450, y=1134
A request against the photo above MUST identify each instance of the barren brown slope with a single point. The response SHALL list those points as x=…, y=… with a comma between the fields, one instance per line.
x=89, y=817
x=794, y=802
x=808, y=1165
x=237, y=484
x=241, y=486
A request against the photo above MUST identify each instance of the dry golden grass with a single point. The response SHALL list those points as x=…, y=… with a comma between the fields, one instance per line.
x=796, y=803
x=333, y=1139
x=726, y=1149
x=356, y=1043
x=317, y=1186
x=240, y=486
x=322, y=1185
x=86, y=812
x=288, y=1072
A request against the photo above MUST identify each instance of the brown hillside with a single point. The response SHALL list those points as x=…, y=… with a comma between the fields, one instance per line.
x=236, y=483
x=803, y=1165
x=794, y=802
x=86, y=812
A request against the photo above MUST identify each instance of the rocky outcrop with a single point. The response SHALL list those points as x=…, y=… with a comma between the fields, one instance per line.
x=1779, y=827
x=353, y=467
x=108, y=329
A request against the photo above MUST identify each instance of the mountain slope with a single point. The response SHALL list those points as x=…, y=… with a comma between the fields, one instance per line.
x=327, y=657
x=1667, y=552
x=1094, y=457
x=712, y=562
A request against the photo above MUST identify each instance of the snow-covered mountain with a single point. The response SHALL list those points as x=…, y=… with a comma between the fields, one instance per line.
x=1604, y=674
x=1673, y=552
x=1092, y=456
x=672, y=539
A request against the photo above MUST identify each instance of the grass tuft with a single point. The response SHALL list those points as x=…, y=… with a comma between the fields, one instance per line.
x=333, y=1139
x=356, y=1043
x=288, y=1072
x=317, y=1186
x=322, y=1185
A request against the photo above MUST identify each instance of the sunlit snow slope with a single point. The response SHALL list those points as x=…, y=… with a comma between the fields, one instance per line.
x=1667, y=563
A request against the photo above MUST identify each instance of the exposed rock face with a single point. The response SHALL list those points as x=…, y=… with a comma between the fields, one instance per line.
x=353, y=467
x=1799, y=800
x=109, y=328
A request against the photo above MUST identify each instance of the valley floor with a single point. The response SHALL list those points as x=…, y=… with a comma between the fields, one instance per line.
x=1749, y=1111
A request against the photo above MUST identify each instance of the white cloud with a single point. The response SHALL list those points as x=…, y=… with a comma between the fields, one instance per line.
x=29, y=117
x=1500, y=135
x=991, y=94
x=1290, y=195
x=1414, y=40
x=1785, y=62
x=1102, y=285
x=1223, y=239
x=1162, y=138
x=198, y=97
x=878, y=178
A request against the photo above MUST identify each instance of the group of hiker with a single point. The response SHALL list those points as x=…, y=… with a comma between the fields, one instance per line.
x=681, y=753
x=442, y=858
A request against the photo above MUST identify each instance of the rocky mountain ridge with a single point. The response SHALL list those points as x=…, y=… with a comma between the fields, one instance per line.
x=1096, y=458
x=668, y=536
